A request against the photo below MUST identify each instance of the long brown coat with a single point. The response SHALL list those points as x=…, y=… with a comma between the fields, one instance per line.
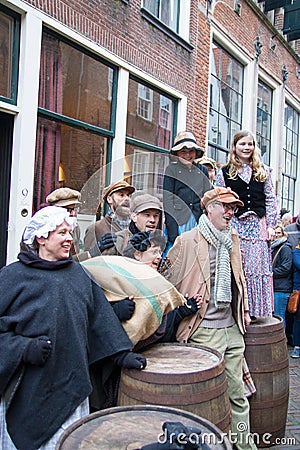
x=189, y=271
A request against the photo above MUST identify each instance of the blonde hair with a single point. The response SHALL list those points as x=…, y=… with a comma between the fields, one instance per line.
x=281, y=226
x=234, y=163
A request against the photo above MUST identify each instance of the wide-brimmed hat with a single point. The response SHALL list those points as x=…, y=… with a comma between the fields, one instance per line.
x=220, y=194
x=117, y=186
x=64, y=197
x=145, y=201
x=207, y=161
x=186, y=139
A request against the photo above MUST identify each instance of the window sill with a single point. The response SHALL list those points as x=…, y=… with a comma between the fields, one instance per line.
x=166, y=30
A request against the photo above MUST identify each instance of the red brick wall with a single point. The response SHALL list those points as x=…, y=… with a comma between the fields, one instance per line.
x=120, y=28
x=244, y=29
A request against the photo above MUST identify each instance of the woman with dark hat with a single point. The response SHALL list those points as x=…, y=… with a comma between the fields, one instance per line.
x=185, y=182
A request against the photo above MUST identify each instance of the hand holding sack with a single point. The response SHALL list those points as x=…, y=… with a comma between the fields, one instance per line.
x=124, y=309
x=106, y=241
x=191, y=307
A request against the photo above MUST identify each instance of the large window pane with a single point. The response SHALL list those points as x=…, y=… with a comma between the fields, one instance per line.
x=66, y=156
x=145, y=169
x=165, y=10
x=74, y=124
x=264, y=120
x=226, y=101
x=74, y=84
x=290, y=157
x=9, y=45
x=150, y=115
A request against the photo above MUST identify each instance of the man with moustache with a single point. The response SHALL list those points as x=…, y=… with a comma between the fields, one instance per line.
x=117, y=196
x=207, y=261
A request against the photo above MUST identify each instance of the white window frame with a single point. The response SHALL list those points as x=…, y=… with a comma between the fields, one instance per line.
x=145, y=102
x=140, y=169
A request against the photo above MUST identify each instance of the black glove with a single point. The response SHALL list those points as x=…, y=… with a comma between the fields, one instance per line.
x=130, y=360
x=37, y=351
x=107, y=241
x=124, y=309
x=188, y=309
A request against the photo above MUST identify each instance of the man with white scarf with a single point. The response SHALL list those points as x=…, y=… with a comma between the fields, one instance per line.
x=207, y=261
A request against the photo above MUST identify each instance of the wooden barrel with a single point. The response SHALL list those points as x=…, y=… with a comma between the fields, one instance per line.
x=130, y=428
x=267, y=357
x=185, y=376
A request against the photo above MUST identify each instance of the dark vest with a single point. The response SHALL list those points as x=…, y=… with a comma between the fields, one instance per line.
x=252, y=194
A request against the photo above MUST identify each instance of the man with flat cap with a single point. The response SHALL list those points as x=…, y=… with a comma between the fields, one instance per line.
x=145, y=215
x=117, y=196
x=207, y=260
x=70, y=200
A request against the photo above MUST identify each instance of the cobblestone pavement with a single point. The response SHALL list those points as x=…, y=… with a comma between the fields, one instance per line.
x=292, y=433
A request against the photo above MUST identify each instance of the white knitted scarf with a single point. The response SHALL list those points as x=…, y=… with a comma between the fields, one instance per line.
x=222, y=241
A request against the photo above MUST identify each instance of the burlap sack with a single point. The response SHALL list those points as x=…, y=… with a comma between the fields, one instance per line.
x=121, y=277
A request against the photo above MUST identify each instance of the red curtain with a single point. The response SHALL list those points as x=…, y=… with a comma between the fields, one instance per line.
x=48, y=142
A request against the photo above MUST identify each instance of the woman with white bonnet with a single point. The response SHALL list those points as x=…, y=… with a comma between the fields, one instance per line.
x=54, y=322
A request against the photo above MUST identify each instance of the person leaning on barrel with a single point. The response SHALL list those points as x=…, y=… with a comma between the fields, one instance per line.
x=148, y=247
x=207, y=260
x=54, y=322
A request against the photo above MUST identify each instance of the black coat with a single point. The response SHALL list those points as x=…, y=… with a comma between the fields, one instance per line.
x=183, y=188
x=64, y=304
x=293, y=231
x=283, y=267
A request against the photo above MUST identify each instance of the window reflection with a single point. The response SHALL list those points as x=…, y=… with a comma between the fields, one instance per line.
x=226, y=101
x=9, y=49
x=150, y=115
x=264, y=120
x=66, y=156
x=165, y=10
x=290, y=157
x=145, y=169
x=74, y=84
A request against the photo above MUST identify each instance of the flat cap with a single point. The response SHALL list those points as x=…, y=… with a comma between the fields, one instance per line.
x=117, y=186
x=64, y=197
x=207, y=161
x=145, y=201
x=220, y=194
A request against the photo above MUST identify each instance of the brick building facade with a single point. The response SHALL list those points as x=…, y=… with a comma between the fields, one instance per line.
x=94, y=91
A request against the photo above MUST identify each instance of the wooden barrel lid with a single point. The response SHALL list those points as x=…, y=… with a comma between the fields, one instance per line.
x=180, y=363
x=131, y=427
x=265, y=330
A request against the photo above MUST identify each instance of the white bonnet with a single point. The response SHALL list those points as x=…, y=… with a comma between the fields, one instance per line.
x=44, y=221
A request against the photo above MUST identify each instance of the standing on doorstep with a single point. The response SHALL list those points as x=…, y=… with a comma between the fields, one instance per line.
x=54, y=323
x=207, y=261
x=255, y=221
x=117, y=196
x=185, y=182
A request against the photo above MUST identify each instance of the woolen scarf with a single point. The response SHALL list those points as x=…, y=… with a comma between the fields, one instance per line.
x=222, y=241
